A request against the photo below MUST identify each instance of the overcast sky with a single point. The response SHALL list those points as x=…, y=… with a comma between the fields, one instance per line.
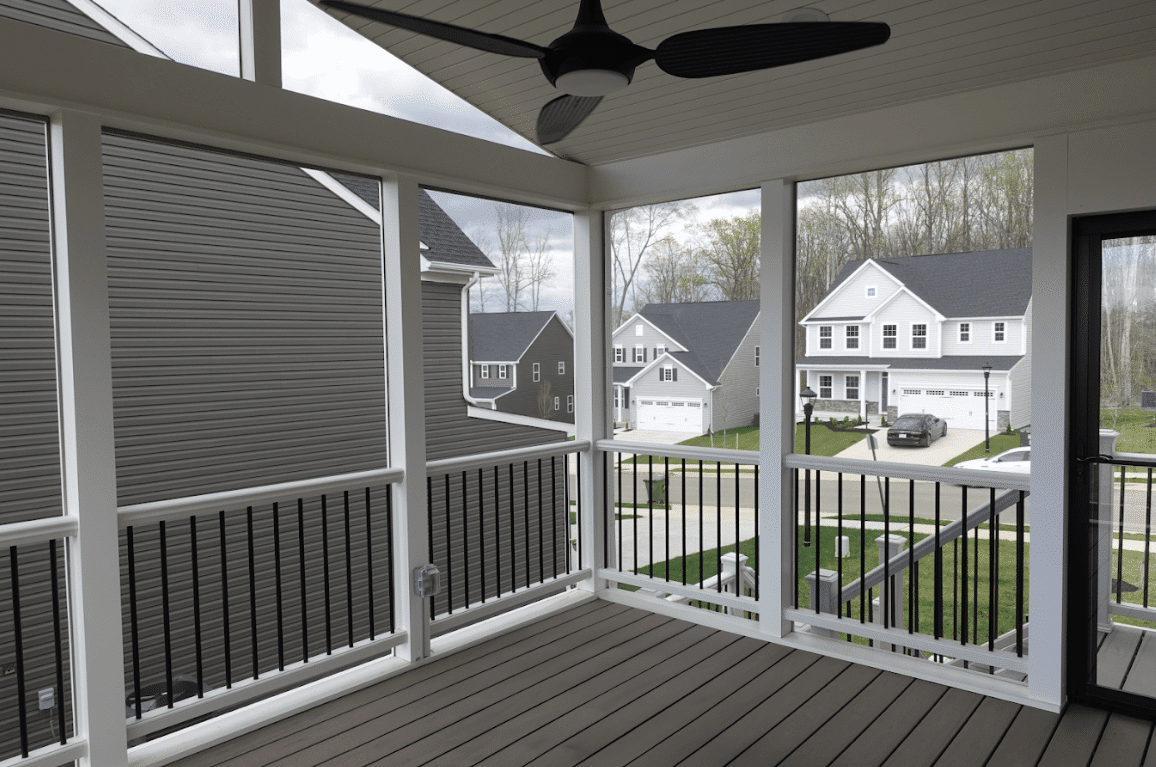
x=324, y=58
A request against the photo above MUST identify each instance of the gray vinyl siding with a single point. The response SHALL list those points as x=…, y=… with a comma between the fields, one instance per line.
x=1021, y=380
x=553, y=345
x=58, y=15
x=650, y=338
x=735, y=403
x=493, y=381
x=688, y=386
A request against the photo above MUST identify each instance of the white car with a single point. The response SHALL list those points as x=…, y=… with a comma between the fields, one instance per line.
x=1018, y=460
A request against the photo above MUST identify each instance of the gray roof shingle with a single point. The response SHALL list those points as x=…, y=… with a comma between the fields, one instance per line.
x=446, y=241
x=504, y=336
x=989, y=283
x=622, y=375
x=711, y=331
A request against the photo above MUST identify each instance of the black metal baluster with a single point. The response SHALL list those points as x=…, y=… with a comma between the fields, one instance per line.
x=513, y=538
x=701, y=535
x=18, y=635
x=634, y=482
x=541, y=538
x=369, y=566
x=1120, y=548
x=277, y=586
x=862, y=546
x=224, y=612
x=252, y=592
x=348, y=567
x=666, y=511
x=975, y=587
x=718, y=524
x=465, y=541
x=961, y=557
x=738, y=536
x=449, y=549
x=992, y=573
x=650, y=509
x=818, y=536
x=301, y=577
x=838, y=542
x=554, y=514
x=617, y=511
x=196, y=605
x=134, y=623
x=1147, y=535
x=389, y=547
x=482, y=530
x=758, y=559
x=526, y=517
x=886, y=592
x=166, y=615
x=912, y=572
x=577, y=511
x=684, y=549
x=937, y=577
x=955, y=589
x=57, y=636
x=1020, y=575
x=497, y=532
x=325, y=567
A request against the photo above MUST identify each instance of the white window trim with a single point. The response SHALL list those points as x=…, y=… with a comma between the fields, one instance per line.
x=925, y=336
x=620, y=353
x=758, y=351
x=829, y=339
x=502, y=372
x=659, y=350
x=847, y=386
x=666, y=374
x=963, y=325
x=557, y=403
x=569, y=403
x=830, y=387
x=851, y=332
x=562, y=368
x=872, y=291
x=995, y=330
x=537, y=372
x=639, y=350
x=638, y=329
x=485, y=371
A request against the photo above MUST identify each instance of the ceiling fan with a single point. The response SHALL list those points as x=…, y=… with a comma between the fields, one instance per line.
x=591, y=60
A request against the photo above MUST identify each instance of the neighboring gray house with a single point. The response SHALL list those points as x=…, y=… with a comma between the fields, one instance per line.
x=911, y=335
x=522, y=364
x=688, y=367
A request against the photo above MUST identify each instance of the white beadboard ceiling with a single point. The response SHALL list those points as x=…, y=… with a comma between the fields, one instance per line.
x=936, y=47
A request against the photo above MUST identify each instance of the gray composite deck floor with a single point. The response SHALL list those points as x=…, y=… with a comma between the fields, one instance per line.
x=605, y=685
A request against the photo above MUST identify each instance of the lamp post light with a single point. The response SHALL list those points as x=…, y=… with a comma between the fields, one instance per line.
x=808, y=398
x=986, y=405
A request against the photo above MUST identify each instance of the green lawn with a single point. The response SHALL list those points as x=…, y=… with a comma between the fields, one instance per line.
x=740, y=438
x=999, y=443
x=1135, y=436
x=824, y=441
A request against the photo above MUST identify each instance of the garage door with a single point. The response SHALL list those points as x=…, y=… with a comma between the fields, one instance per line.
x=670, y=415
x=962, y=409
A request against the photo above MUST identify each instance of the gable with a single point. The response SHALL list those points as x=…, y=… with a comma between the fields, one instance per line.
x=848, y=301
x=710, y=331
x=504, y=336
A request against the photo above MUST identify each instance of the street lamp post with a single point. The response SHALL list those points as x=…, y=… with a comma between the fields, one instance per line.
x=986, y=414
x=808, y=398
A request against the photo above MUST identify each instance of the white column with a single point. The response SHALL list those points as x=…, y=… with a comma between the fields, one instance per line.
x=863, y=395
x=592, y=380
x=88, y=450
x=405, y=388
x=260, y=40
x=1050, y=392
x=777, y=405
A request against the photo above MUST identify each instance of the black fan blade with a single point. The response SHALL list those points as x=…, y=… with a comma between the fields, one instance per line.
x=482, y=41
x=562, y=115
x=730, y=50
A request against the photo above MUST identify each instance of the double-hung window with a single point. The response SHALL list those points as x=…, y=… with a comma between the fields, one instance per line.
x=756, y=356
x=569, y=403
x=561, y=368
x=557, y=403
x=919, y=336
x=824, y=336
x=639, y=353
x=825, y=387
x=659, y=351
x=852, y=337
x=537, y=372
x=502, y=372
x=619, y=354
x=999, y=332
x=965, y=332
x=890, y=333
x=485, y=371
x=668, y=373
x=851, y=387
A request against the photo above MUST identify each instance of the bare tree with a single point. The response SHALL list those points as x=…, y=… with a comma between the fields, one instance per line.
x=523, y=260
x=731, y=252
x=674, y=275
x=546, y=401
x=632, y=233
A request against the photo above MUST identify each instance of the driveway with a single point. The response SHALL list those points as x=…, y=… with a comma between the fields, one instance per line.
x=938, y=453
x=655, y=437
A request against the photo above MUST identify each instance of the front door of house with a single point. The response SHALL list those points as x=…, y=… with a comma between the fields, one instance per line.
x=1112, y=644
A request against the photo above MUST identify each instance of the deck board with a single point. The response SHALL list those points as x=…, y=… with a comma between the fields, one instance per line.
x=1142, y=674
x=1114, y=657
x=607, y=686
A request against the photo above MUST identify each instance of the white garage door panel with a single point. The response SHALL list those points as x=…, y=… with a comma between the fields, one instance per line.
x=670, y=415
x=961, y=409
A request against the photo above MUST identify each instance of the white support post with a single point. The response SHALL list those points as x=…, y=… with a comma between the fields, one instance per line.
x=592, y=382
x=824, y=588
x=401, y=261
x=88, y=449
x=1050, y=392
x=777, y=406
x=260, y=39
x=889, y=610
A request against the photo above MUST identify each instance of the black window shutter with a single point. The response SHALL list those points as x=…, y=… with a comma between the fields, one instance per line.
x=674, y=374
x=644, y=354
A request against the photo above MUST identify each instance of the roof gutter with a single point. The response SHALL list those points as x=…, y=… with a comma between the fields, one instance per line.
x=474, y=279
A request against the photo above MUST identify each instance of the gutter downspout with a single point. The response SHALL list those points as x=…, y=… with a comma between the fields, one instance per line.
x=466, y=341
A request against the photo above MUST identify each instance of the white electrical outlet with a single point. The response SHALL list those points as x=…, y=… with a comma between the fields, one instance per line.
x=47, y=698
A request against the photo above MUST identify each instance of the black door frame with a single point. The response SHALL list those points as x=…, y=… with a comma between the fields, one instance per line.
x=1086, y=236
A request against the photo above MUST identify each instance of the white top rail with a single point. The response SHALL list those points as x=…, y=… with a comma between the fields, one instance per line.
x=712, y=454
x=503, y=457
x=948, y=475
x=36, y=531
x=157, y=511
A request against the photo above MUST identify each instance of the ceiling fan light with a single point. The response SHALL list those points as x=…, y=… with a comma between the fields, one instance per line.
x=591, y=82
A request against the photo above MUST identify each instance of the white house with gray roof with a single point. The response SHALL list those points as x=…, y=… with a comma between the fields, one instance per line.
x=912, y=335
x=688, y=367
